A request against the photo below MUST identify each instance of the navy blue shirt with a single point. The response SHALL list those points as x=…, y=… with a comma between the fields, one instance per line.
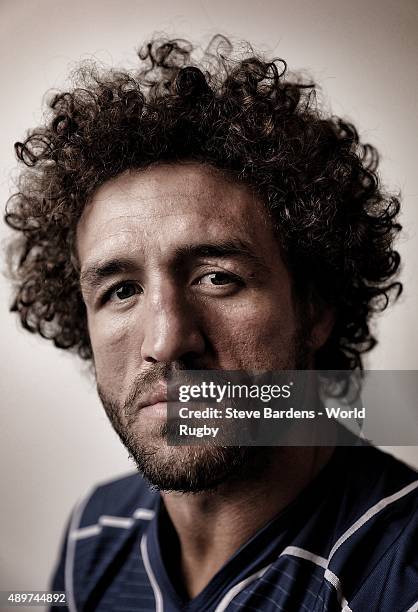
x=349, y=541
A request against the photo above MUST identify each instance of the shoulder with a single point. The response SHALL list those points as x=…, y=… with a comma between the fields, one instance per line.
x=379, y=493
x=102, y=524
x=375, y=557
x=360, y=534
x=121, y=497
x=371, y=478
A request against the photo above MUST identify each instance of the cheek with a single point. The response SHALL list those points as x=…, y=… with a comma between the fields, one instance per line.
x=257, y=333
x=114, y=344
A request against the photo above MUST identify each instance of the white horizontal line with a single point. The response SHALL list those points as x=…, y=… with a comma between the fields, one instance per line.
x=119, y=522
x=85, y=532
x=116, y=521
x=144, y=513
x=295, y=551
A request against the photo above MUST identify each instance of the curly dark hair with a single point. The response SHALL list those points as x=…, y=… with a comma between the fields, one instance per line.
x=241, y=114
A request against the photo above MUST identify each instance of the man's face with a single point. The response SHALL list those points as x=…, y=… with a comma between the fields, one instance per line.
x=180, y=269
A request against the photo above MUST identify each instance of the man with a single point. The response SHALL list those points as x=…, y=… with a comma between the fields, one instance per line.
x=210, y=217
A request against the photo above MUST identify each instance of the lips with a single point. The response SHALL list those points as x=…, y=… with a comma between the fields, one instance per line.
x=155, y=396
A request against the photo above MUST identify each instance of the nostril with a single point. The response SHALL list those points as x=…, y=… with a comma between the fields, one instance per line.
x=150, y=359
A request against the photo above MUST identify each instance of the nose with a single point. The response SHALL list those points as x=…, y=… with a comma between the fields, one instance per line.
x=170, y=327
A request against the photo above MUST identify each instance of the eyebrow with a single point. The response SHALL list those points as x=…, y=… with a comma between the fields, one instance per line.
x=227, y=248
x=96, y=272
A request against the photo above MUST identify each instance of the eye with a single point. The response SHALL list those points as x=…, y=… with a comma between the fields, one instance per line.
x=219, y=279
x=122, y=291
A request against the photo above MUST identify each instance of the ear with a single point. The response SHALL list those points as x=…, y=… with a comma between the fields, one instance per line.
x=322, y=323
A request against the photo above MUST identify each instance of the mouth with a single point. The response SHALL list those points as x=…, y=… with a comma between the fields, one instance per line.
x=154, y=397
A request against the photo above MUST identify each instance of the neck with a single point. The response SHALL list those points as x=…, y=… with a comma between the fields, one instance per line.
x=212, y=525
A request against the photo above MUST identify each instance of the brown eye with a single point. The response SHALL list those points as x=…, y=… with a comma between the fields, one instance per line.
x=217, y=278
x=124, y=291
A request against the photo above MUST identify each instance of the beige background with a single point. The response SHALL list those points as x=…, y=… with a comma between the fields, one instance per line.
x=55, y=440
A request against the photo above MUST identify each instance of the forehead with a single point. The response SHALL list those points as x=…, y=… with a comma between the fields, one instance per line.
x=168, y=204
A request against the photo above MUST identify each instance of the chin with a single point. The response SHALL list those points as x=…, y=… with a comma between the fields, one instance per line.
x=187, y=469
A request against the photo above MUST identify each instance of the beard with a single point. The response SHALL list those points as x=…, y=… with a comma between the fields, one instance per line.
x=186, y=469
